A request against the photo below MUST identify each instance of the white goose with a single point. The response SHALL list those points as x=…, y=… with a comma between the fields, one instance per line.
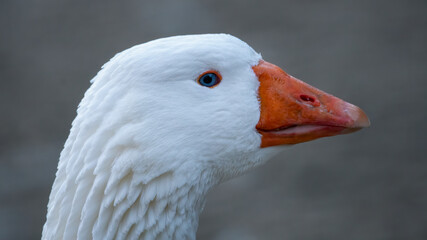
x=165, y=121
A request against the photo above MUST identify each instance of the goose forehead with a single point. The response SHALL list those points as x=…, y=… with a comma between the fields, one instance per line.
x=220, y=49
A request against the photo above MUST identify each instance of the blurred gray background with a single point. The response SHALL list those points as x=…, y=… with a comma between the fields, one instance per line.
x=367, y=185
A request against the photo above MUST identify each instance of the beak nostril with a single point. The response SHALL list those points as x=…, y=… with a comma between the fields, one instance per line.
x=307, y=98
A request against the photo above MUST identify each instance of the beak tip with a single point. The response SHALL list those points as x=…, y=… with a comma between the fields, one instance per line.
x=363, y=121
x=358, y=116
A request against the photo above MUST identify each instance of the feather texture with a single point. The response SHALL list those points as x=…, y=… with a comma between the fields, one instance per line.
x=148, y=142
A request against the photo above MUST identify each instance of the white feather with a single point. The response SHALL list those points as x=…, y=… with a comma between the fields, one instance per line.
x=148, y=142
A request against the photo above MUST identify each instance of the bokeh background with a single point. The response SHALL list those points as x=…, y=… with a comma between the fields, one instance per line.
x=367, y=185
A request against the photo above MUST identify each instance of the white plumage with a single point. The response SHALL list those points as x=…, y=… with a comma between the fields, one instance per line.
x=149, y=142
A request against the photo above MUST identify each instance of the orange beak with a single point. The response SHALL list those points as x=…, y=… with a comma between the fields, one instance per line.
x=294, y=112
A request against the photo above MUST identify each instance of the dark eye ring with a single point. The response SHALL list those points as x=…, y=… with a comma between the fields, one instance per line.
x=209, y=79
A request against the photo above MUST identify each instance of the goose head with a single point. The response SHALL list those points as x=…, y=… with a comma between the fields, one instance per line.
x=165, y=121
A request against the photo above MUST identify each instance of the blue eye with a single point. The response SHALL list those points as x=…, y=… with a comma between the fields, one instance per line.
x=209, y=79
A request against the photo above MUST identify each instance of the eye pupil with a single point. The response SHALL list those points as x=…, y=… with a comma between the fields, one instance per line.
x=209, y=80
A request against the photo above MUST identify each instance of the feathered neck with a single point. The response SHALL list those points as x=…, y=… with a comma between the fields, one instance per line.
x=90, y=201
x=109, y=185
